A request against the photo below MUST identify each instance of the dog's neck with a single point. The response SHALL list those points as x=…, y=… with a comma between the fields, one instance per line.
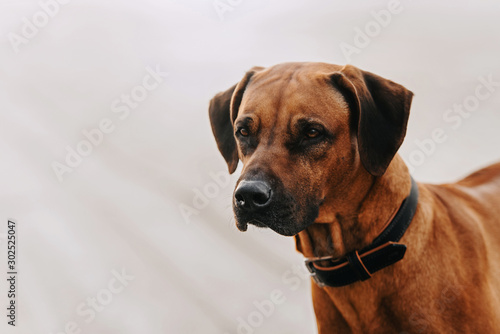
x=354, y=219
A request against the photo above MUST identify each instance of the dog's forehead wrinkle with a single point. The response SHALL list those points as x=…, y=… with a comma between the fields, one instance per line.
x=279, y=100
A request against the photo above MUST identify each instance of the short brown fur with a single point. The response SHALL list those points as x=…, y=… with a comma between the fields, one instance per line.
x=449, y=279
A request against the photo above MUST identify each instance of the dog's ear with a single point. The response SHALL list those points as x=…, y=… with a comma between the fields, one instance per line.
x=223, y=110
x=380, y=110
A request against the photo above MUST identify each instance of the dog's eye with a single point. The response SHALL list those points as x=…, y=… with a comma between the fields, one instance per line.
x=243, y=131
x=312, y=133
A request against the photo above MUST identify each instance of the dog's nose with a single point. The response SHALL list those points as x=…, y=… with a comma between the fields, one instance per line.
x=251, y=195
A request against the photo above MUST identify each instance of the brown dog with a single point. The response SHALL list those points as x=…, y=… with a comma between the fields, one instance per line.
x=318, y=144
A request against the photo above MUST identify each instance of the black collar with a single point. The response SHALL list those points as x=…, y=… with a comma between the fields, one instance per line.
x=382, y=252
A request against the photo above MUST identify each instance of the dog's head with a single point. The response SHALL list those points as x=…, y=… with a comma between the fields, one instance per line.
x=305, y=133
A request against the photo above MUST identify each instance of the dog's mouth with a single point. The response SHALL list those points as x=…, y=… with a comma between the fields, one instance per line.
x=286, y=226
x=243, y=226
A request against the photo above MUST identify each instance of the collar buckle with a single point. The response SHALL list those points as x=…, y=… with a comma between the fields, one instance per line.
x=310, y=267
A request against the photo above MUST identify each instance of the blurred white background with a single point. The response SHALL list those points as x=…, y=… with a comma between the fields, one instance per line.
x=133, y=203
